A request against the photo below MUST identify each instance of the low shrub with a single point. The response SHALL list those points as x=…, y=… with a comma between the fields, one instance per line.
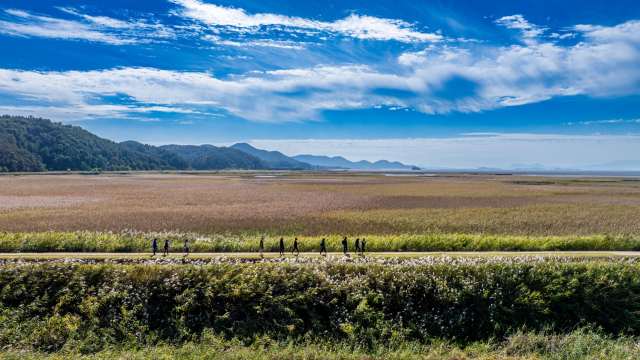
x=368, y=303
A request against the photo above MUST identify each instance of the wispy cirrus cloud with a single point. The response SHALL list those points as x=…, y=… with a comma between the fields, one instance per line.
x=595, y=122
x=355, y=26
x=282, y=44
x=99, y=29
x=83, y=111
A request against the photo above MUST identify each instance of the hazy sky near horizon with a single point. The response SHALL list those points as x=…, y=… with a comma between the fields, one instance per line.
x=438, y=83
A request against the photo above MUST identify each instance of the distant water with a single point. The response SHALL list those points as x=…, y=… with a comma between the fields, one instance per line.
x=582, y=174
x=554, y=174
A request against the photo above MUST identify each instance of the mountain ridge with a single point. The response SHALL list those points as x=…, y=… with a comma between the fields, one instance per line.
x=209, y=157
x=275, y=158
x=340, y=162
x=29, y=144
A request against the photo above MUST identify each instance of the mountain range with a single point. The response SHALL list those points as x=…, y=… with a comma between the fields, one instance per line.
x=275, y=158
x=29, y=144
x=340, y=162
x=624, y=165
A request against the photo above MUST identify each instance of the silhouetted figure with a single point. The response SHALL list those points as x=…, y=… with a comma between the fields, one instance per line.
x=281, y=246
x=357, y=246
x=364, y=242
x=261, y=245
x=186, y=247
x=166, y=247
x=295, y=247
x=344, y=245
x=155, y=246
x=323, y=247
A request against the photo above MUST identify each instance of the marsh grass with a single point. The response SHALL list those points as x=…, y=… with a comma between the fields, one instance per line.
x=317, y=204
x=136, y=242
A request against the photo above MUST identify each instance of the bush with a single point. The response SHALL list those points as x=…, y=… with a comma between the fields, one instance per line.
x=372, y=303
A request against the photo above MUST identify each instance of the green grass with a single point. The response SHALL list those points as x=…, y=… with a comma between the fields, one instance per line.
x=271, y=256
x=579, y=344
x=433, y=242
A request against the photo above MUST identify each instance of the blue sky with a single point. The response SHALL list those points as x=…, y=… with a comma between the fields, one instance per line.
x=460, y=84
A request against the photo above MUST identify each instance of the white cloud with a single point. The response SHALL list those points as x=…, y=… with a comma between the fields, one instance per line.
x=471, y=150
x=94, y=29
x=282, y=44
x=78, y=112
x=357, y=26
x=562, y=36
x=619, y=33
x=443, y=54
x=28, y=25
x=606, y=122
x=518, y=22
x=439, y=79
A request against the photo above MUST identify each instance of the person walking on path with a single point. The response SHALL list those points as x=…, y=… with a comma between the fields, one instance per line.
x=364, y=242
x=344, y=245
x=357, y=246
x=186, y=247
x=295, y=246
x=261, y=245
x=282, y=246
x=166, y=247
x=323, y=247
x=155, y=246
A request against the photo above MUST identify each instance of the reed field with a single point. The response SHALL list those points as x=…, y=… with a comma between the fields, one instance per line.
x=432, y=307
x=319, y=204
x=140, y=242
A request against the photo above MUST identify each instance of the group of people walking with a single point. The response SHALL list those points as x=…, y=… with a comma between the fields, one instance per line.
x=359, y=246
x=187, y=243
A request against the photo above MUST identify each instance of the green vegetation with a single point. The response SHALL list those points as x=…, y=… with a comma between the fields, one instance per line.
x=172, y=158
x=578, y=345
x=208, y=157
x=35, y=144
x=29, y=144
x=84, y=241
x=345, y=307
x=275, y=159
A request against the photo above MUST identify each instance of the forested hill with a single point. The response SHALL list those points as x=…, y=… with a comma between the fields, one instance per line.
x=29, y=144
x=172, y=158
x=275, y=159
x=209, y=157
x=36, y=144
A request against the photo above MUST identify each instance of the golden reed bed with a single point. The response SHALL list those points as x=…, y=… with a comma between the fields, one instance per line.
x=319, y=203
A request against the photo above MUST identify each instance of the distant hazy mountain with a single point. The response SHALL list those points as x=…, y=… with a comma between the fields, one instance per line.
x=535, y=166
x=275, y=158
x=624, y=165
x=340, y=162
